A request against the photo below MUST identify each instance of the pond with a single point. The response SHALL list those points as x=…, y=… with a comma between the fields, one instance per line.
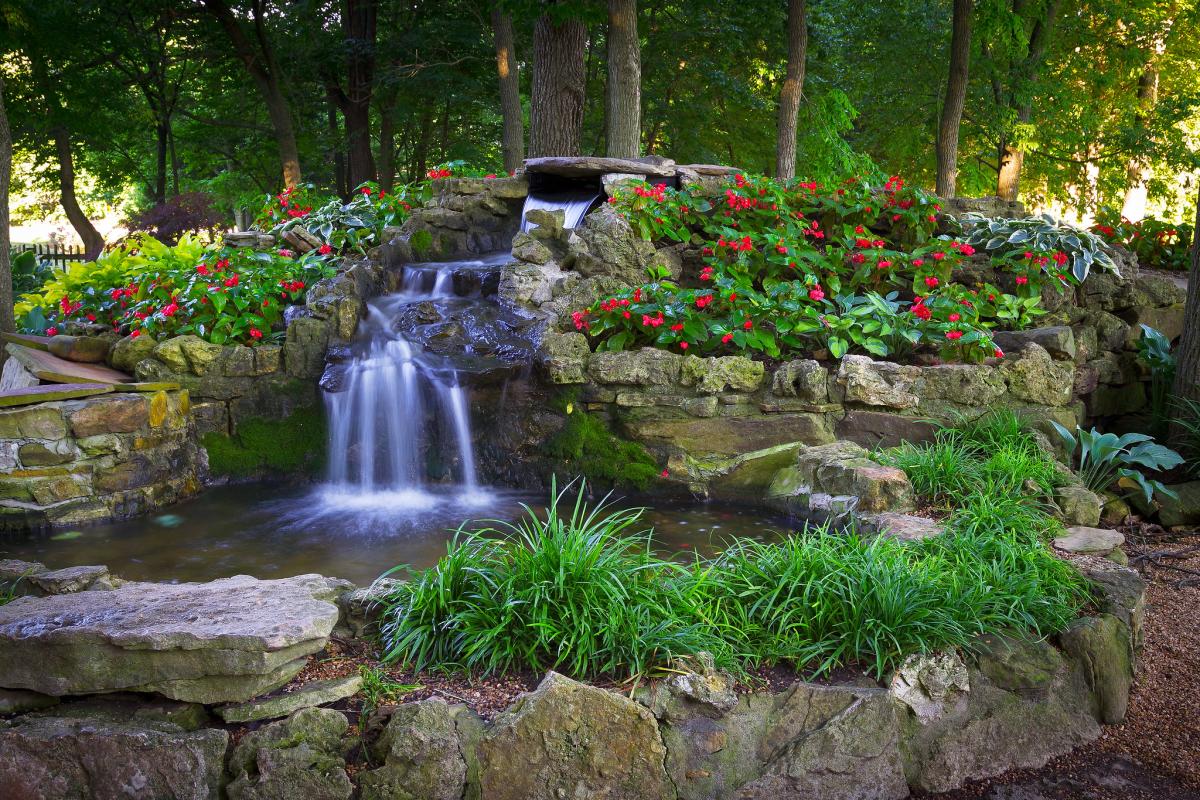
x=269, y=532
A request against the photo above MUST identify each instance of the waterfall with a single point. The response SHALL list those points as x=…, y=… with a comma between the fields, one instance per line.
x=573, y=205
x=379, y=426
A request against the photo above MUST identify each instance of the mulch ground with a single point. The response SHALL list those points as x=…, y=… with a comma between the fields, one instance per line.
x=1155, y=754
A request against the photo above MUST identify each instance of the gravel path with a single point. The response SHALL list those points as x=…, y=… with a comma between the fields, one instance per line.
x=1155, y=754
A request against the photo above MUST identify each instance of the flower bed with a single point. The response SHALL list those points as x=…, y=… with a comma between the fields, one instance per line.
x=792, y=268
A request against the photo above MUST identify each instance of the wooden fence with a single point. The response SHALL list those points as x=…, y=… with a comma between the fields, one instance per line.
x=56, y=253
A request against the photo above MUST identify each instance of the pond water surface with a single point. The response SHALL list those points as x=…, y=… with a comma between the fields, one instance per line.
x=269, y=532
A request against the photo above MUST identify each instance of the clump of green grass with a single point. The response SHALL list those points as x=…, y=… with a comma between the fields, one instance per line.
x=584, y=594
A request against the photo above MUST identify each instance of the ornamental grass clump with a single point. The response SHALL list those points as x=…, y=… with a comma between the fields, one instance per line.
x=583, y=593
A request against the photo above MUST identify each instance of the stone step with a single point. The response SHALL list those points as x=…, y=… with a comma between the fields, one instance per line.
x=49, y=367
x=49, y=392
x=309, y=695
x=27, y=340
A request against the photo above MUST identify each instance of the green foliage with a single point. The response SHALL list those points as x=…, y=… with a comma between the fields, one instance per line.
x=1158, y=244
x=354, y=226
x=295, y=444
x=580, y=592
x=1105, y=459
x=1042, y=240
x=28, y=272
x=226, y=295
x=1154, y=353
x=1185, y=413
x=586, y=447
x=379, y=689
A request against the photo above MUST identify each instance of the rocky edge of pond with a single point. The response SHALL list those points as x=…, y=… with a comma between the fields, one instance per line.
x=172, y=690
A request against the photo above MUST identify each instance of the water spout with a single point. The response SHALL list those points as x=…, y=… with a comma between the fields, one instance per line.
x=574, y=206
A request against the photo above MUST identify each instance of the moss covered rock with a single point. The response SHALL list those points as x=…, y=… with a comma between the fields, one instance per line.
x=421, y=755
x=299, y=757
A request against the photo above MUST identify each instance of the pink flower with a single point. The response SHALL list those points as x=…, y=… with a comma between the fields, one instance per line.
x=931, y=281
x=255, y=333
x=953, y=335
x=955, y=317
x=52, y=331
x=816, y=294
x=324, y=250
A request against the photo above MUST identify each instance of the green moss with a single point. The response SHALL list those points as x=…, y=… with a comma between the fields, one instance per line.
x=295, y=444
x=589, y=448
x=420, y=241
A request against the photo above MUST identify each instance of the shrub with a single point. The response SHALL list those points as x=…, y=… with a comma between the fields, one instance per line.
x=189, y=213
x=353, y=226
x=793, y=267
x=1157, y=243
x=226, y=295
x=1042, y=242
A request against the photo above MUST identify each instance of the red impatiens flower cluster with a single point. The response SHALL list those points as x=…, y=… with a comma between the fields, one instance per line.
x=434, y=174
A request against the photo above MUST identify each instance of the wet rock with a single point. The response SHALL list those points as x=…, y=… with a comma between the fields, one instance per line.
x=128, y=352
x=1104, y=648
x=224, y=641
x=1089, y=541
x=743, y=477
x=421, y=754
x=878, y=383
x=53, y=758
x=305, y=347
x=309, y=695
x=567, y=739
x=1058, y=341
x=1034, y=377
x=564, y=357
x=1079, y=505
x=299, y=757
x=716, y=375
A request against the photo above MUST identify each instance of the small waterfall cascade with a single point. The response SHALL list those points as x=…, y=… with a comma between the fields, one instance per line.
x=394, y=399
x=574, y=206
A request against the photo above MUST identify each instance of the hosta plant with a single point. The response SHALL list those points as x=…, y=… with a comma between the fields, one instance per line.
x=1055, y=246
x=1104, y=459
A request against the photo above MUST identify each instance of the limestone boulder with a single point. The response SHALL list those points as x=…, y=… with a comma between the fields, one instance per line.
x=308, y=695
x=298, y=757
x=1079, y=505
x=421, y=754
x=1089, y=541
x=804, y=379
x=84, y=349
x=931, y=685
x=563, y=357
x=608, y=246
x=56, y=758
x=123, y=413
x=719, y=374
x=224, y=641
x=841, y=469
x=567, y=739
x=1058, y=341
x=645, y=367
x=1034, y=377
x=1104, y=648
x=1181, y=510
x=127, y=353
x=722, y=436
x=879, y=383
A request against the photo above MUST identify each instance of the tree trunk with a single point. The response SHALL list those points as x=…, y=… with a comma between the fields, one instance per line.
x=1187, y=356
x=359, y=27
x=1138, y=170
x=387, y=144
x=791, y=90
x=93, y=242
x=512, y=140
x=160, y=164
x=7, y=321
x=556, y=112
x=623, y=128
x=260, y=63
x=956, y=95
x=335, y=135
x=1023, y=76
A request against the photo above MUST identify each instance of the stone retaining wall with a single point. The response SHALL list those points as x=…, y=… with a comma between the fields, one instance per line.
x=105, y=457
x=933, y=724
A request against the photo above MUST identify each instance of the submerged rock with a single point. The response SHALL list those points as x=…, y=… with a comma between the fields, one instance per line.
x=223, y=641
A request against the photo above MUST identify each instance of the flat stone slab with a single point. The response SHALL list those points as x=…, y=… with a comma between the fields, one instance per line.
x=310, y=695
x=1089, y=541
x=27, y=340
x=226, y=641
x=49, y=367
x=147, y=386
x=55, y=391
x=905, y=527
x=594, y=166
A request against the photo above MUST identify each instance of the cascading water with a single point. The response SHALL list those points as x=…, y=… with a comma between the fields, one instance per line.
x=399, y=419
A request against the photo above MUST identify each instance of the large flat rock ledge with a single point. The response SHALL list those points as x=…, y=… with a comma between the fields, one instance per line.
x=224, y=641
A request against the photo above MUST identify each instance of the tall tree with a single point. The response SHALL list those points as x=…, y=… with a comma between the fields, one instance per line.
x=624, y=105
x=7, y=322
x=258, y=56
x=956, y=95
x=792, y=90
x=359, y=30
x=512, y=137
x=1187, y=357
x=1138, y=168
x=559, y=84
x=1023, y=76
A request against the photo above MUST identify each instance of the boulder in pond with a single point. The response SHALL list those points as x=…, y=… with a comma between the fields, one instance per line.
x=224, y=641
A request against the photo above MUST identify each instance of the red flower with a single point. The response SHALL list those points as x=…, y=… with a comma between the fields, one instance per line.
x=816, y=294
x=931, y=281
x=953, y=335
x=678, y=326
x=365, y=190
x=202, y=269
x=748, y=324
x=255, y=333
x=324, y=250
x=999, y=353
x=1022, y=280
x=135, y=334
x=683, y=345
x=664, y=474
x=955, y=317
x=170, y=309
x=52, y=331
x=918, y=262
x=285, y=253
x=727, y=338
